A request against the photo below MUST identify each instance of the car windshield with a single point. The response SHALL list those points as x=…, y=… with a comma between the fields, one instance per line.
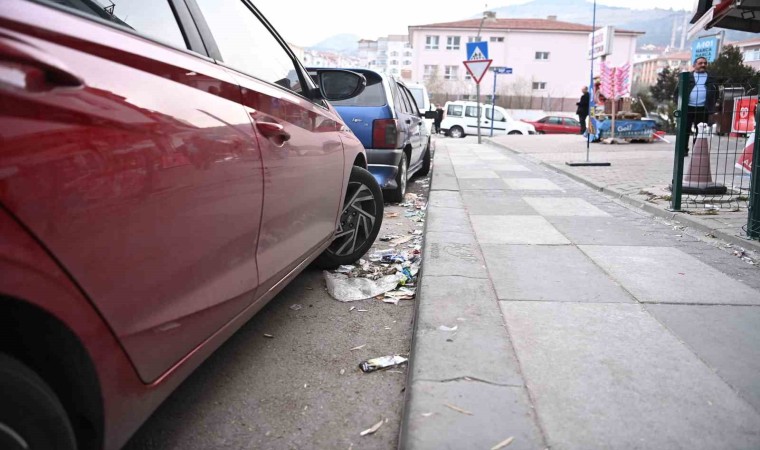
x=373, y=94
x=417, y=94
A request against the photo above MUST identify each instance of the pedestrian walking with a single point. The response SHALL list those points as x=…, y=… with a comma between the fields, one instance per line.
x=703, y=90
x=583, y=108
x=438, y=119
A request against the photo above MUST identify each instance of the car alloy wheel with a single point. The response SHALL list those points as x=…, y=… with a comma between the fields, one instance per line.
x=359, y=223
x=456, y=132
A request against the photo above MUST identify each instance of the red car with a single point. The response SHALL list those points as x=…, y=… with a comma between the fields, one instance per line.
x=556, y=125
x=166, y=167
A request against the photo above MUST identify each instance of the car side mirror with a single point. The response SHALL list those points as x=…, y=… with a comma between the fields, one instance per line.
x=430, y=114
x=335, y=84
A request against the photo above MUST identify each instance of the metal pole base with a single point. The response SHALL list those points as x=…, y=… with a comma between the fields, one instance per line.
x=586, y=163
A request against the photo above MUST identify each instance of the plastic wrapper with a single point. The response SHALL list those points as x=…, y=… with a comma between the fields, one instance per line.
x=346, y=289
x=383, y=362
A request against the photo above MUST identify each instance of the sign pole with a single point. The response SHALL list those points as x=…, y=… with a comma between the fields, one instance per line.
x=477, y=94
x=493, y=102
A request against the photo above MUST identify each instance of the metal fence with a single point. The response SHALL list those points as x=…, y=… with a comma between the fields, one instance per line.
x=715, y=147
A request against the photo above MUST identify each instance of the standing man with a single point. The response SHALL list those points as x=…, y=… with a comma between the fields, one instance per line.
x=438, y=119
x=582, y=110
x=703, y=91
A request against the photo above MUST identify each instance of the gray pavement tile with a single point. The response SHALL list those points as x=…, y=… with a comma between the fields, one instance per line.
x=479, y=347
x=564, y=206
x=482, y=183
x=445, y=199
x=610, y=376
x=497, y=413
x=465, y=173
x=449, y=253
x=443, y=180
x=516, y=230
x=508, y=167
x=514, y=174
x=668, y=275
x=531, y=184
x=727, y=338
x=607, y=231
x=483, y=202
x=551, y=273
x=449, y=219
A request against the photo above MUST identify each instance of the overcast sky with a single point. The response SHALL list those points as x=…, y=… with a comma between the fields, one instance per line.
x=307, y=23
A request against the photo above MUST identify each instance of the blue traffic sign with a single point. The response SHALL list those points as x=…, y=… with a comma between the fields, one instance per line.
x=477, y=51
x=502, y=70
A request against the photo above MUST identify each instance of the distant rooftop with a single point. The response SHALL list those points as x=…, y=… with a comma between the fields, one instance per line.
x=520, y=24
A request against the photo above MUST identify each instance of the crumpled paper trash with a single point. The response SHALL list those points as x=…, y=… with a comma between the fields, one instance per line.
x=346, y=289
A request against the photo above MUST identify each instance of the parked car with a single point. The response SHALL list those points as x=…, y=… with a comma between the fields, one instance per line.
x=420, y=94
x=460, y=118
x=556, y=125
x=388, y=123
x=159, y=184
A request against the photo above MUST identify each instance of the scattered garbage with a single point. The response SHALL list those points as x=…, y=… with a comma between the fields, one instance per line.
x=359, y=347
x=268, y=336
x=503, y=443
x=445, y=328
x=296, y=307
x=383, y=362
x=373, y=428
x=343, y=288
x=457, y=409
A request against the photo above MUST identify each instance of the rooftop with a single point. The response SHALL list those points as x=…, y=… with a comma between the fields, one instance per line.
x=519, y=24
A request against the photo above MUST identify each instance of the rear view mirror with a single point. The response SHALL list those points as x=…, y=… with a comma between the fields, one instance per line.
x=430, y=114
x=340, y=84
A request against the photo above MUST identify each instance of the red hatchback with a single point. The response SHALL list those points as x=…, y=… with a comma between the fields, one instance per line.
x=166, y=167
x=556, y=125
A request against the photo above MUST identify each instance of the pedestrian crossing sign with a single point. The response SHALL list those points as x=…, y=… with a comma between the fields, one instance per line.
x=477, y=51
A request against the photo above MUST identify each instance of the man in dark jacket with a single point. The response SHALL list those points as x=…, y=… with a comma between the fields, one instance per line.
x=703, y=91
x=582, y=110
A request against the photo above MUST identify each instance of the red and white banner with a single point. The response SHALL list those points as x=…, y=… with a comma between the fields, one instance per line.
x=745, y=159
x=743, y=120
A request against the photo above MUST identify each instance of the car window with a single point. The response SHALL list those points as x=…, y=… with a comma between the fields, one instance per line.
x=152, y=18
x=497, y=115
x=401, y=99
x=454, y=110
x=247, y=45
x=555, y=121
x=572, y=122
x=417, y=94
x=413, y=106
x=471, y=111
x=373, y=94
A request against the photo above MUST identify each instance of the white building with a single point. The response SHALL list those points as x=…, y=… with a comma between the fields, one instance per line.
x=549, y=58
x=391, y=54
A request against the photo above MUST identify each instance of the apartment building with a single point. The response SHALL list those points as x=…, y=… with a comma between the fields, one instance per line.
x=548, y=57
x=750, y=51
x=645, y=72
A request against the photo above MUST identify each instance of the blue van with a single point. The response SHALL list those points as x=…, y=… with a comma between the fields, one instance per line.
x=387, y=121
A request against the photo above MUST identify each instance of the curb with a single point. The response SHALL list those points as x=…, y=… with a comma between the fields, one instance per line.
x=682, y=218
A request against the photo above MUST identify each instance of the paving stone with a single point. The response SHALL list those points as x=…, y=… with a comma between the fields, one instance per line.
x=550, y=273
x=610, y=376
x=531, y=184
x=448, y=220
x=449, y=253
x=445, y=199
x=727, y=338
x=564, y=206
x=516, y=230
x=463, y=173
x=484, y=202
x=668, y=275
x=497, y=413
x=607, y=231
x=479, y=348
x=482, y=183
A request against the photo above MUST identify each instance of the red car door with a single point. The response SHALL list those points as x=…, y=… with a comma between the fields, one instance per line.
x=301, y=147
x=133, y=161
x=571, y=126
x=554, y=125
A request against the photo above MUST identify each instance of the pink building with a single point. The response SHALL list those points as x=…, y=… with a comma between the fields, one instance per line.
x=549, y=58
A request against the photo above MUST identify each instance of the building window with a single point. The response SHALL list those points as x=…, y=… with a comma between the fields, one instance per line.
x=407, y=53
x=472, y=39
x=451, y=73
x=394, y=62
x=467, y=75
x=429, y=72
x=394, y=53
x=407, y=63
x=497, y=39
x=452, y=42
x=543, y=56
x=431, y=42
x=539, y=85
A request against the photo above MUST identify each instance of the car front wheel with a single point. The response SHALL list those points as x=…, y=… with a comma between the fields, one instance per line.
x=456, y=132
x=514, y=132
x=31, y=416
x=359, y=224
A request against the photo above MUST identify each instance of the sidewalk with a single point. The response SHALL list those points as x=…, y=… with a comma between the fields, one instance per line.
x=553, y=315
x=639, y=175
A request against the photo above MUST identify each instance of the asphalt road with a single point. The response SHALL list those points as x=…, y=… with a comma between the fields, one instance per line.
x=301, y=388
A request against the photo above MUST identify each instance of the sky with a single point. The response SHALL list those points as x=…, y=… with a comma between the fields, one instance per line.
x=306, y=25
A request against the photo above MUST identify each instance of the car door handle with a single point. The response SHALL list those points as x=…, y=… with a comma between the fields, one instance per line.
x=274, y=132
x=31, y=69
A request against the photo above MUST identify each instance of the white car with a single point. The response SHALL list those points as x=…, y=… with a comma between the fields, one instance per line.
x=460, y=118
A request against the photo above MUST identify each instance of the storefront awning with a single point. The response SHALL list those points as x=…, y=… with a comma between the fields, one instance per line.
x=742, y=15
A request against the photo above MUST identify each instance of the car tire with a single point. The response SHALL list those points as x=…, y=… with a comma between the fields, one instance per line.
x=396, y=195
x=540, y=132
x=426, y=162
x=31, y=416
x=514, y=132
x=360, y=221
x=456, y=132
